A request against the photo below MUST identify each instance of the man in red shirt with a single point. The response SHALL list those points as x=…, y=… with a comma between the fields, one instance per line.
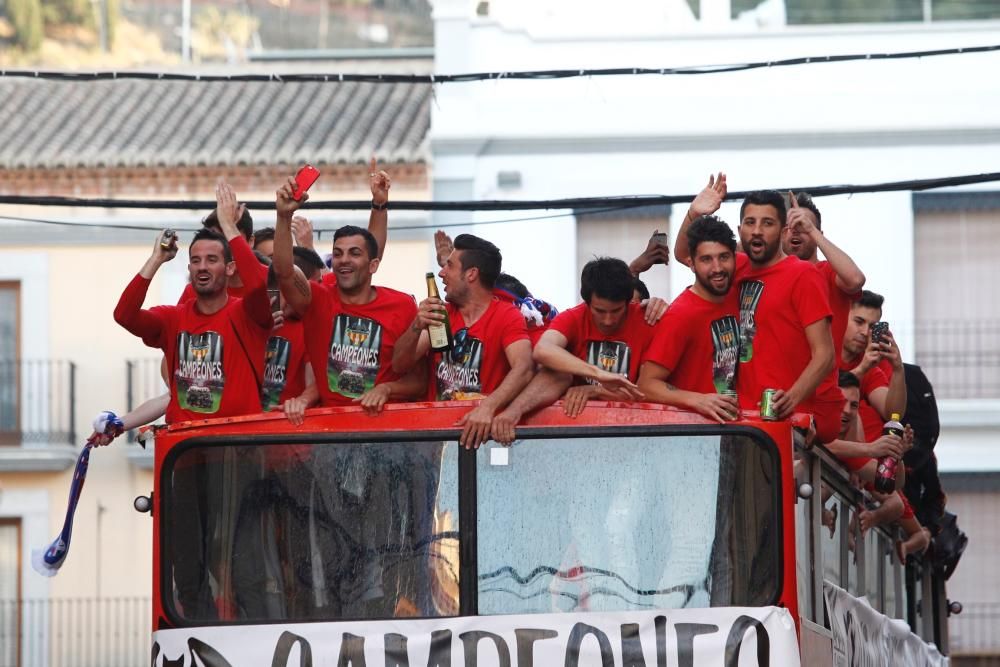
x=878, y=365
x=841, y=274
x=853, y=452
x=786, y=343
x=490, y=356
x=235, y=284
x=214, y=344
x=692, y=360
x=599, y=343
x=351, y=326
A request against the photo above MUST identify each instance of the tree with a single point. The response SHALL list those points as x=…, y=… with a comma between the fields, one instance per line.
x=26, y=16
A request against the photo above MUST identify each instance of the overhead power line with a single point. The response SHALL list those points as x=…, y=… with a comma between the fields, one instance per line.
x=575, y=203
x=489, y=76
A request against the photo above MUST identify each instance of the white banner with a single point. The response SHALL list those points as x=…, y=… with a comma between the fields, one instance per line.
x=863, y=637
x=730, y=637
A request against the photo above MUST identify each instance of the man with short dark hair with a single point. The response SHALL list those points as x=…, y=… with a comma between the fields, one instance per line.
x=599, y=344
x=351, y=325
x=843, y=277
x=214, y=343
x=696, y=348
x=856, y=454
x=786, y=344
x=263, y=241
x=877, y=364
x=490, y=357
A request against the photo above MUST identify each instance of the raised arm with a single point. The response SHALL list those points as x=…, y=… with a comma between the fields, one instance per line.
x=378, y=221
x=707, y=202
x=891, y=399
x=255, y=301
x=129, y=313
x=820, y=364
x=294, y=286
x=850, y=278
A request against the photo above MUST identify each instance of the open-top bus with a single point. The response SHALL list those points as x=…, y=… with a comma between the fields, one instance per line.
x=631, y=535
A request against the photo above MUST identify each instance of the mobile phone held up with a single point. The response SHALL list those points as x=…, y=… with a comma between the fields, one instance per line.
x=660, y=238
x=304, y=179
x=879, y=330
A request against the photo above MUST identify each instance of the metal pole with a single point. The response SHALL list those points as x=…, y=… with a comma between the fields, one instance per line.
x=72, y=403
x=186, y=31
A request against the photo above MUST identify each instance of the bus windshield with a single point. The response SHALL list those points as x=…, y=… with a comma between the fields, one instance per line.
x=314, y=531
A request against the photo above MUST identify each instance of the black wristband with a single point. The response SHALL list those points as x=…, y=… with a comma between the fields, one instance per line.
x=380, y=207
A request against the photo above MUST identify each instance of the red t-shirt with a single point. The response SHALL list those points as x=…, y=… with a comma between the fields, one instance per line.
x=188, y=294
x=699, y=342
x=284, y=365
x=776, y=305
x=840, y=304
x=877, y=376
x=477, y=361
x=620, y=352
x=350, y=345
x=216, y=360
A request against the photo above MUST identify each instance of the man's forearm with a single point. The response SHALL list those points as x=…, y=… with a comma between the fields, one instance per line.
x=812, y=375
x=562, y=361
x=851, y=278
x=294, y=287
x=544, y=389
x=129, y=313
x=843, y=449
x=404, y=352
x=411, y=386
x=255, y=301
x=378, y=225
x=895, y=400
x=517, y=378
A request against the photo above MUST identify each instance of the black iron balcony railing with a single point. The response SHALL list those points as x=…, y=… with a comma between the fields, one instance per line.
x=37, y=401
x=961, y=358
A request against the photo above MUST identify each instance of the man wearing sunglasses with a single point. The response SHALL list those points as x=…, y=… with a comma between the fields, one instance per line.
x=490, y=356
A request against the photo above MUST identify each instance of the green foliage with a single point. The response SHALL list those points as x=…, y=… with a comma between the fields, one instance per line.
x=26, y=17
x=67, y=12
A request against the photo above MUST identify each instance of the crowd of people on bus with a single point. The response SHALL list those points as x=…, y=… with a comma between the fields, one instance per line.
x=266, y=324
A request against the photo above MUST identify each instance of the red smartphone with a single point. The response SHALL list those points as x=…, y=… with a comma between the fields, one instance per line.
x=304, y=179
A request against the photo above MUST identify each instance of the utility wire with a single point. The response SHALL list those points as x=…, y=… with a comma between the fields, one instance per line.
x=488, y=76
x=575, y=204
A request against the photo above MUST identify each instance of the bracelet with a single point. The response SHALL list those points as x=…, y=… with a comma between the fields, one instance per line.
x=380, y=207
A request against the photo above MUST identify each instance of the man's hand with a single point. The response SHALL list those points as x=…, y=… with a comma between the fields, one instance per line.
x=718, y=407
x=285, y=204
x=295, y=410
x=228, y=209
x=710, y=199
x=887, y=445
x=374, y=399
x=575, y=399
x=891, y=352
x=868, y=519
x=655, y=253
x=870, y=359
x=784, y=403
x=442, y=247
x=302, y=232
x=476, y=425
x=429, y=312
x=797, y=220
x=504, y=426
x=100, y=439
x=160, y=254
x=618, y=384
x=379, y=182
x=655, y=308
x=907, y=438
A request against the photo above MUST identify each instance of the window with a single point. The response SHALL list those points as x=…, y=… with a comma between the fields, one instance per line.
x=311, y=532
x=957, y=237
x=10, y=591
x=615, y=524
x=10, y=379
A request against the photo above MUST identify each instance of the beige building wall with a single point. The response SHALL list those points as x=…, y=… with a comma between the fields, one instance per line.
x=84, y=284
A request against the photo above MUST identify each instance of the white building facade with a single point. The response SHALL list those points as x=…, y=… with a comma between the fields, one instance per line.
x=931, y=255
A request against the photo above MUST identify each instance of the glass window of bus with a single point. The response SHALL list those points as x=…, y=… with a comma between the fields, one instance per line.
x=328, y=531
x=616, y=522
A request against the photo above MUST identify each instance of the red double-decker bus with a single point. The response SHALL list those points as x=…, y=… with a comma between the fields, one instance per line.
x=631, y=535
